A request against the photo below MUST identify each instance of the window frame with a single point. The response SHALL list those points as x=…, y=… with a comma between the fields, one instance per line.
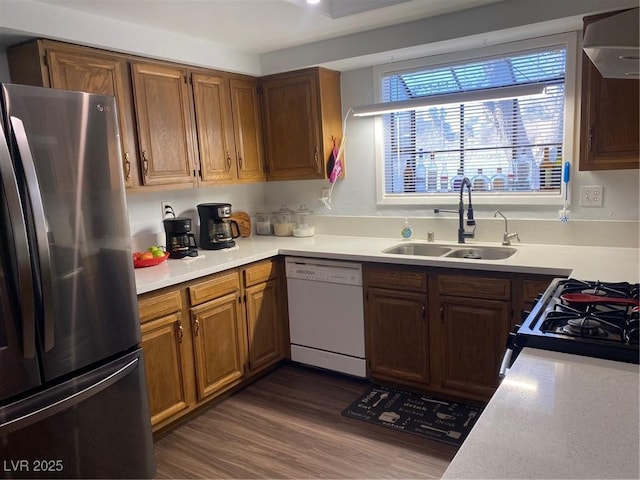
x=571, y=124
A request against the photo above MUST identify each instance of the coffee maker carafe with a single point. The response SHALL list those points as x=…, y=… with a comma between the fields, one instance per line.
x=180, y=243
x=216, y=230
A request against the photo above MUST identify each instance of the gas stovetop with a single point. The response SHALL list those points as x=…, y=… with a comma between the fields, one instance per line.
x=597, y=319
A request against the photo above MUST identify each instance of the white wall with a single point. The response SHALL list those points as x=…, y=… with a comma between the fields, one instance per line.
x=35, y=19
x=145, y=212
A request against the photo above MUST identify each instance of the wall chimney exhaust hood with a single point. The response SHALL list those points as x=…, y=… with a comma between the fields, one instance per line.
x=613, y=45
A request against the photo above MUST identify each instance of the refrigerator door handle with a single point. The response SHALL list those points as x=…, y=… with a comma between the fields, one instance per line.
x=74, y=399
x=40, y=227
x=21, y=249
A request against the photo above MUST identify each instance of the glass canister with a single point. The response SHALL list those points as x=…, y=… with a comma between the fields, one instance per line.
x=303, y=222
x=263, y=223
x=283, y=222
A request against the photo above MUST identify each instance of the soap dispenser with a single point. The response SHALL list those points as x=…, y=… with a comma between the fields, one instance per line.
x=407, y=231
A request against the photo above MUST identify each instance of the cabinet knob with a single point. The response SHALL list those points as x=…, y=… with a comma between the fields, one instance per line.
x=239, y=162
x=145, y=164
x=441, y=314
x=180, y=331
x=590, y=139
x=196, y=327
x=127, y=166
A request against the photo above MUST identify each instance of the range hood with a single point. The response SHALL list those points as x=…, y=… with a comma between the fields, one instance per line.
x=613, y=45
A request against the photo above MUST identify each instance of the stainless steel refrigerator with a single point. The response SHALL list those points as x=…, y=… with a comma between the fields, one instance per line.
x=73, y=399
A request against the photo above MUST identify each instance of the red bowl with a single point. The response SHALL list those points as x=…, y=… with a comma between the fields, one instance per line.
x=150, y=262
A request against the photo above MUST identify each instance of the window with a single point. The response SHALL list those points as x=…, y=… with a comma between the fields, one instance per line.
x=508, y=147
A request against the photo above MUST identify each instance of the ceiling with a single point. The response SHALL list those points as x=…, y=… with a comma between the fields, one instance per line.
x=259, y=26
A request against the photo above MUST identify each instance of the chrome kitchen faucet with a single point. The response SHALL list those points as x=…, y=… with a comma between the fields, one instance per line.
x=506, y=236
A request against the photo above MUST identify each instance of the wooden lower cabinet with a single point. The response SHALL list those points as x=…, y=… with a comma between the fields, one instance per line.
x=167, y=354
x=208, y=336
x=264, y=325
x=397, y=335
x=472, y=340
x=162, y=345
x=219, y=344
x=397, y=341
x=471, y=320
x=442, y=331
x=265, y=301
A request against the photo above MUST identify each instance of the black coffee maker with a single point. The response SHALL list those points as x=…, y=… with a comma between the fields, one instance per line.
x=216, y=230
x=180, y=243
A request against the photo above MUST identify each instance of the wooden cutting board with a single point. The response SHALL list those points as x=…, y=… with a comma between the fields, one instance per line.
x=244, y=222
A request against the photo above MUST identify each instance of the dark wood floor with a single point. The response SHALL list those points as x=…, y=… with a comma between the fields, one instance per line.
x=288, y=425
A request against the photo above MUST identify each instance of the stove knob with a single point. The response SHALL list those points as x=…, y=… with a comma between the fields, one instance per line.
x=525, y=314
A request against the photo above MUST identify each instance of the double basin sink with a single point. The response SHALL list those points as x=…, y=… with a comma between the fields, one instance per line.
x=434, y=250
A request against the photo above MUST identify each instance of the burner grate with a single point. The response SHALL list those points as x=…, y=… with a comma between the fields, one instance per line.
x=608, y=322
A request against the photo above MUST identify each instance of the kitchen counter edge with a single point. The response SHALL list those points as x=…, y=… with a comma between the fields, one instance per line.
x=587, y=263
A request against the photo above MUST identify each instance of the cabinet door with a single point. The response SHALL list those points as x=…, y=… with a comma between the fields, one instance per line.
x=102, y=75
x=263, y=325
x=397, y=336
x=165, y=132
x=163, y=354
x=610, y=123
x=473, y=333
x=214, y=122
x=248, y=129
x=219, y=339
x=292, y=129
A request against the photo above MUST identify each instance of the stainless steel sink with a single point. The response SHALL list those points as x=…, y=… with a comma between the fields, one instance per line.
x=420, y=249
x=483, y=253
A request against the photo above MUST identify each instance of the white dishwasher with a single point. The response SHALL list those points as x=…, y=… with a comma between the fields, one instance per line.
x=326, y=314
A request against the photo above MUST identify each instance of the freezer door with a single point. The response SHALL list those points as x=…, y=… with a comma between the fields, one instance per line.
x=66, y=149
x=19, y=370
x=93, y=426
x=17, y=373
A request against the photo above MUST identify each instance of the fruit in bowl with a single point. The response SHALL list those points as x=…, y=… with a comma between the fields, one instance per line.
x=152, y=256
x=155, y=251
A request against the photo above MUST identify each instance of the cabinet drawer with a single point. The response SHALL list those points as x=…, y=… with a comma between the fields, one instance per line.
x=152, y=306
x=216, y=286
x=476, y=287
x=396, y=279
x=260, y=272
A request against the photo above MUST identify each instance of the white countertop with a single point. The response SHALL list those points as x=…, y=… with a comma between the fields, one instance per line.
x=556, y=415
x=585, y=263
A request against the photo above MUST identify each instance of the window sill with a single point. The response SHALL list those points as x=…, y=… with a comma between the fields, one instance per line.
x=435, y=199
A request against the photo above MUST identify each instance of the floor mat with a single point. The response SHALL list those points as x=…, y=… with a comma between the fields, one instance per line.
x=430, y=417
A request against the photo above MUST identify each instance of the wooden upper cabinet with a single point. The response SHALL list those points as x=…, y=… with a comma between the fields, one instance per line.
x=228, y=125
x=165, y=130
x=247, y=123
x=67, y=67
x=302, y=115
x=610, y=120
x=214, y=123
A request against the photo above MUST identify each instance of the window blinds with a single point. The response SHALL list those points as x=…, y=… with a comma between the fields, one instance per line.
x=504, y=147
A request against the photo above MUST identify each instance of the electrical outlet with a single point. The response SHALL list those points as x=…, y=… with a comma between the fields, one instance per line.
x=591, y=196
x=324, y=193
x=167, y=210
